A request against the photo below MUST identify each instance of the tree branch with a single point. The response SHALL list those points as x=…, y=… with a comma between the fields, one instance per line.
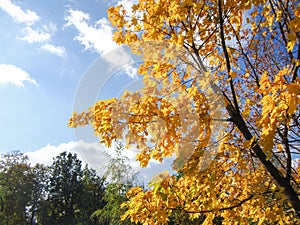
x=282, y=181
x=235, y=102
x=288, y=152
x=220, y=209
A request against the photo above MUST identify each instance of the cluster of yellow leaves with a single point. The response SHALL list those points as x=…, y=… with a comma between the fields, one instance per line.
x=158, y=126
x=99, y=117
x=228, y=183
x=279, y=103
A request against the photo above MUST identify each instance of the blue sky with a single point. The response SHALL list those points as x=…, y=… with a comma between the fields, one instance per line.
x=46, y=46
x=41, y=62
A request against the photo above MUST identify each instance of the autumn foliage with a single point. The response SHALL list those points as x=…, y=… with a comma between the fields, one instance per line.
x=222, y=94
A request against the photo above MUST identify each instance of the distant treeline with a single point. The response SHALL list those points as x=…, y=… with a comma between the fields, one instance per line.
x=65, y=193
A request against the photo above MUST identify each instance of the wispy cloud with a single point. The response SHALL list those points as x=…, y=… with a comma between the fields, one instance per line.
x=35, y=36
x=84, y=150
x=18, y=14
x=96, y=37
x=56, y=50
x=33, y=33
x=14, y=75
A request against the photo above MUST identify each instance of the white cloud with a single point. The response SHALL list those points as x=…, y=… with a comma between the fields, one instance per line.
x=31, y=35
x=91, y=153
x=131, y=71
x=51, y=28
x=96, y=37
x=14, y=75
x=43, y=35
x=56, y=50
x=35, y=36
x=18, y=14
x=127, y=4
x=45, y=154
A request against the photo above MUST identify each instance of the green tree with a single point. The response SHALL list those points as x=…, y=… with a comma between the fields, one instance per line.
x=74, y=193
x=16, y=189
x=93, y=196
x=36, y=207
x=61, y=194
x=65, y=190
x=122, y=177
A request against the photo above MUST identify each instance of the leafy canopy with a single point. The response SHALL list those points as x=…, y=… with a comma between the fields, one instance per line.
x=210, y=66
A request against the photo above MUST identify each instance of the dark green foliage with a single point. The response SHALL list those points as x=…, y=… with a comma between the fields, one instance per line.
x=62, y=194
x=74, y=193
x=17, y=185
x=93, y=195
x=66, y=189
x=36, y=204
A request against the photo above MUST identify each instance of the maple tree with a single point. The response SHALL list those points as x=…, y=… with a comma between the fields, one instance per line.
x=210, y=66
